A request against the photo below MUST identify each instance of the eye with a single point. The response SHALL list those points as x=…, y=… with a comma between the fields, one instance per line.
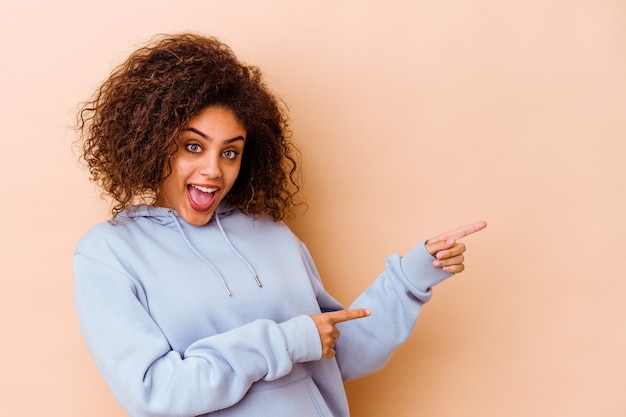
x=193, y=147
x=230, y=154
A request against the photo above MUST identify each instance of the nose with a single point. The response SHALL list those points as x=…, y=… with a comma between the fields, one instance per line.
x=211, y=166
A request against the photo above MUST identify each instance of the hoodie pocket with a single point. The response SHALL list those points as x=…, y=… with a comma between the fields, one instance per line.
x=299, y=398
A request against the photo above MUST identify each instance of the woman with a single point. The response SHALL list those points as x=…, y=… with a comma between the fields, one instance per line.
x=195, y=299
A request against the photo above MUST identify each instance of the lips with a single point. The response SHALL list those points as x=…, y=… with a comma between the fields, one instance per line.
x=201, y=198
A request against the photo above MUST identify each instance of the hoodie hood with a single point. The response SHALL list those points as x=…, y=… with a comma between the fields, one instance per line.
x=163, y=215
x=170, y=218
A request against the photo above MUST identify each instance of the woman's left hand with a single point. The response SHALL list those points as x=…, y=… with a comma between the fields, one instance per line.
x=446, y=249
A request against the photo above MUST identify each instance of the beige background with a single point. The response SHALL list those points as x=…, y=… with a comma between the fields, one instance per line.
x=413, y=117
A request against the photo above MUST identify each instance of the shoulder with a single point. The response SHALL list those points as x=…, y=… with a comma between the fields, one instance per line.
x=259, y=229
x=236, y=218
x=110, y=234
x=98, y=233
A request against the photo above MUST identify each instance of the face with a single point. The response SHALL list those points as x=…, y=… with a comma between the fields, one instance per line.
x=205, y=166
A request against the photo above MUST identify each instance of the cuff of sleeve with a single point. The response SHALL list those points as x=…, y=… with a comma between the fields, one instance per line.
x=419, y=272
x=303, y=340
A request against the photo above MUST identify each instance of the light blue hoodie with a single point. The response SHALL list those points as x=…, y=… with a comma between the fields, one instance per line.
x=186, y=321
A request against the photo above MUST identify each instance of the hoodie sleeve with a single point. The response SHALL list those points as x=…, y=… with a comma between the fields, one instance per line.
x=149, y=378
x=395, y=299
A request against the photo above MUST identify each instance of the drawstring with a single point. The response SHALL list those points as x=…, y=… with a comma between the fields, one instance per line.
x=170, y=213
x=236, y=252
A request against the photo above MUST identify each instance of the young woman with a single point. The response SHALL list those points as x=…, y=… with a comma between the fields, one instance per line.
x=195, y=299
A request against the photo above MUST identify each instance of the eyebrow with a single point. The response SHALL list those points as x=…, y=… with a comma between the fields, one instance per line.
x=205, y=136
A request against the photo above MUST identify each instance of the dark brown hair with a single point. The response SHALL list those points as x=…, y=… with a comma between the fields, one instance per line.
x=131, y=124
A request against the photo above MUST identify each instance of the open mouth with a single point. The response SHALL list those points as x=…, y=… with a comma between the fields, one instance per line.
x=201, y=198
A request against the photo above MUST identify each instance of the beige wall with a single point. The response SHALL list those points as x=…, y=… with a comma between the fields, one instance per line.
x=414, y=117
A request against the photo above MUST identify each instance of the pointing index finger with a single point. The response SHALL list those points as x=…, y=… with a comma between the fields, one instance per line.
x=345, y=315
x=461, y=232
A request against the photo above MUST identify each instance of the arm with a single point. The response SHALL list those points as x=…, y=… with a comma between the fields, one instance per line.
x=395, y=300
x=150, y=378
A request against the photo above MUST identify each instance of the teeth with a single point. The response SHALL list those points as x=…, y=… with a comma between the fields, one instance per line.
x=204, y=189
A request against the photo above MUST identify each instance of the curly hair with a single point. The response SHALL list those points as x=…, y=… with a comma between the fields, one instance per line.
x=131, y=124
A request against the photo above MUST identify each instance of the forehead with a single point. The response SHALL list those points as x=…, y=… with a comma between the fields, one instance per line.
x=216, y=123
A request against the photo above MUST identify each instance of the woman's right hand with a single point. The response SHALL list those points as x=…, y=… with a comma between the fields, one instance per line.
x=326, y=326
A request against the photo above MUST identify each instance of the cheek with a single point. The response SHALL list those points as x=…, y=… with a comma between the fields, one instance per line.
x=178, y=174
x=236, y=169
x=233, y=174
x=182, y=167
